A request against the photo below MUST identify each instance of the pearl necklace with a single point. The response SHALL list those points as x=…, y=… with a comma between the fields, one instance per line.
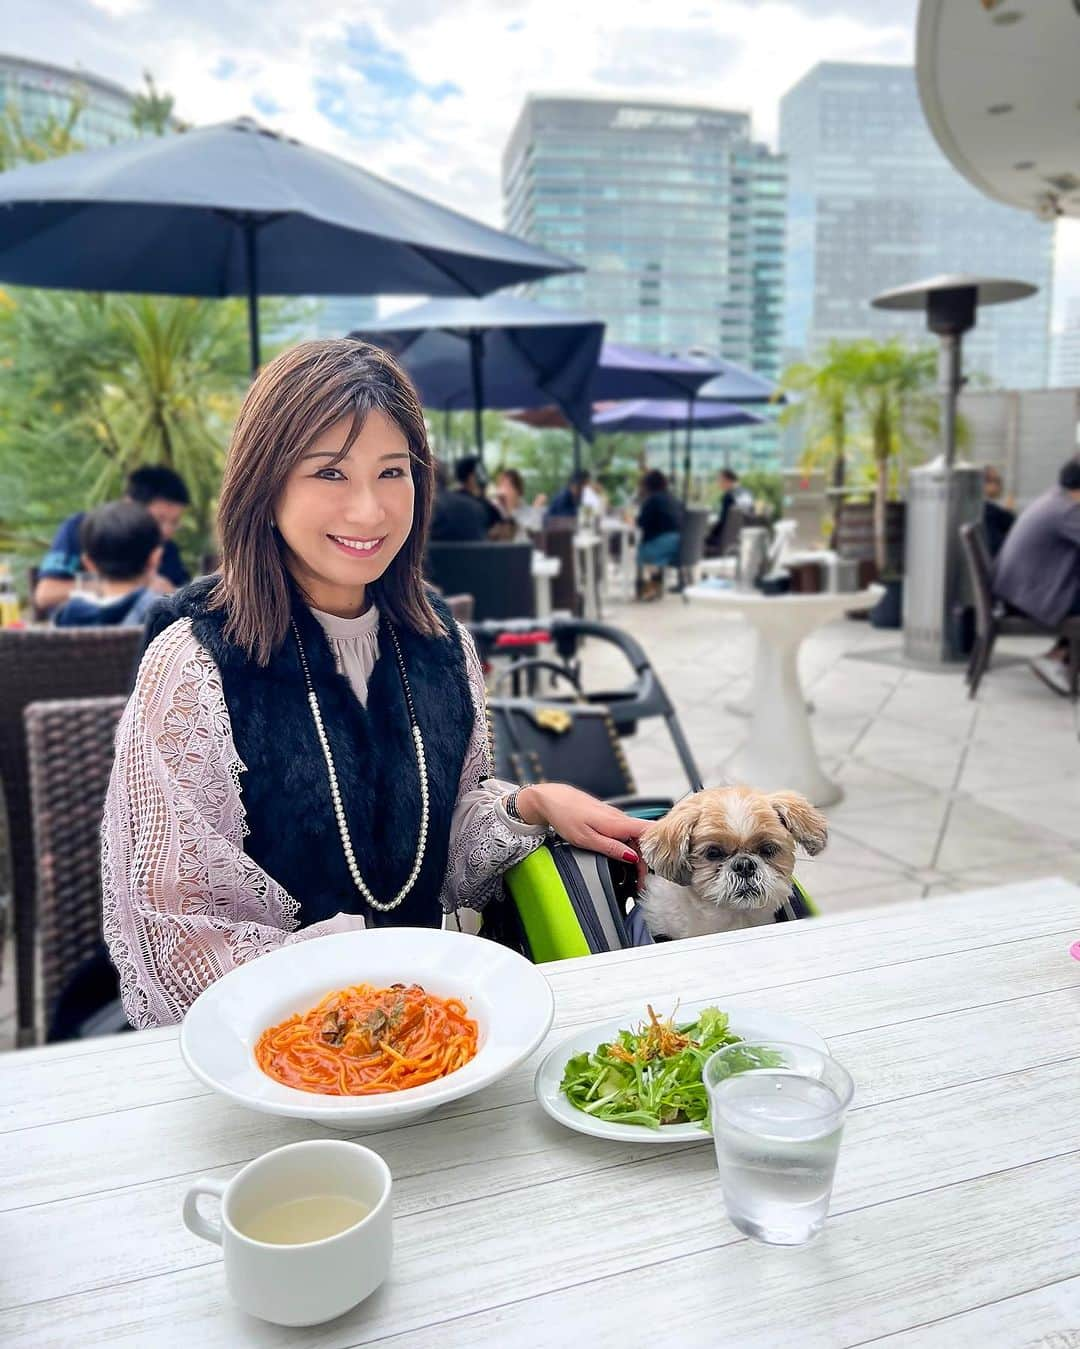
x=335, y=791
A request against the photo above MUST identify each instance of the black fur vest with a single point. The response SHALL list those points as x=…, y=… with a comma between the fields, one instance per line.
x=285, y=790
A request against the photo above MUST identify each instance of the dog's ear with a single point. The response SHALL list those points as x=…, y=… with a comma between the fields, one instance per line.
x=807, y=826
x=665, y=845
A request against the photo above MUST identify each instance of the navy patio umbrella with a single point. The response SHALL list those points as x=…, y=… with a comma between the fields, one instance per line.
x=236, y=209
x=500, y=352
x=667, y=414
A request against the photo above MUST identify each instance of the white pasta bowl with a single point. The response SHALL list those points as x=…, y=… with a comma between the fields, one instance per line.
x=507, y=996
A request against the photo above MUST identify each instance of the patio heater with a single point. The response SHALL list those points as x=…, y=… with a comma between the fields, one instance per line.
x=943, y=495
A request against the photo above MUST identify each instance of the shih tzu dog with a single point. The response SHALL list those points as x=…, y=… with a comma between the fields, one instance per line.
x=722, y=859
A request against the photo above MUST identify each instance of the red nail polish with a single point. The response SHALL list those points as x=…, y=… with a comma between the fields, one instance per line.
x=629, y=856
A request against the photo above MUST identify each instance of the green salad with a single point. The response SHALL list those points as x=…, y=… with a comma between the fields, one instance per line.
x=652, y=1075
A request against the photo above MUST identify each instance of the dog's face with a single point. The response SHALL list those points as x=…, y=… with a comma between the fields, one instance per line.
x=734, y=847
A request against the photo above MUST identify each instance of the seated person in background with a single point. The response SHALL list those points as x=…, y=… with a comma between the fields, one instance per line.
x=472, y=483
x=456, y=517
x=731, y=495
x=164, y=494
x=660, y=524
x=510, y=496
x=1038, y=568
x=121, y=546
x=567, y=503
x=997, y=519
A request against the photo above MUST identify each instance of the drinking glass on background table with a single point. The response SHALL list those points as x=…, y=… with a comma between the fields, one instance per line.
x=777, y=1114
x=305, y=1230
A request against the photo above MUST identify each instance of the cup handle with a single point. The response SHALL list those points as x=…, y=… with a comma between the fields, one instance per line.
x=193, y=1219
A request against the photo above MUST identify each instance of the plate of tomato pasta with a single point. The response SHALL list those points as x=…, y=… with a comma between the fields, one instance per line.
x=367, y=1029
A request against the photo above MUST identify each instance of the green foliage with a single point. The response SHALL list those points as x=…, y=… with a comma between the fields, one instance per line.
x=50, y=137
x=766, y=488
x=153, y=109
x=869, y=406
x=92, y=386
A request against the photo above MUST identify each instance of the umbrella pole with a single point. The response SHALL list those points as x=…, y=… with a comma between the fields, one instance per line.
x=671, y=452
x=446, y=434
x=252, y=295
x=687, y=451
x=476, y=362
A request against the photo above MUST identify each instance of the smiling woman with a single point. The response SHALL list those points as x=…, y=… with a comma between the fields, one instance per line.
x=347, y=501
x=305, y=751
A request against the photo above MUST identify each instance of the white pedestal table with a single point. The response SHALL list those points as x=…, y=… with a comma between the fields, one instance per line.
x=779, y=753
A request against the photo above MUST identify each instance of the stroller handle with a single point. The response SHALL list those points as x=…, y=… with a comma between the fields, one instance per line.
x=645, y=697
x=489, y=630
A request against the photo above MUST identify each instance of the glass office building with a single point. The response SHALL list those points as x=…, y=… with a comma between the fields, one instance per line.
x=39, y=91
x=873, y=203
x=675, y=211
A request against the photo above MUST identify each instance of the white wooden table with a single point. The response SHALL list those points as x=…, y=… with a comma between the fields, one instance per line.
x=955, y=1218
x=779, y=753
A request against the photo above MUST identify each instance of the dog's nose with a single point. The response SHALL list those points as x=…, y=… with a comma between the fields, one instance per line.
x=744, y=866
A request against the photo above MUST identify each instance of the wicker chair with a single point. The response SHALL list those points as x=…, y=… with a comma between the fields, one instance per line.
x=691, y=545
x=993, y=620
x=497, y=575
x=70, y=749
x=462, y=607
x=556, y=540
x=36, y=664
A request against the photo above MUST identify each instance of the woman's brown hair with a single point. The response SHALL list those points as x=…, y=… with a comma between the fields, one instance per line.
x=294, y=400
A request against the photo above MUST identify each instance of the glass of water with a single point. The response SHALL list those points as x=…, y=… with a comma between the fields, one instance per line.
x=777, y=1113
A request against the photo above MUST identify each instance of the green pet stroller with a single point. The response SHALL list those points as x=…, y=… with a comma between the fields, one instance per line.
x=563, y=901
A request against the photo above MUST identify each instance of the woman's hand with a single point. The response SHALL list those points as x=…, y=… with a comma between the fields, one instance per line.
x=582, y=820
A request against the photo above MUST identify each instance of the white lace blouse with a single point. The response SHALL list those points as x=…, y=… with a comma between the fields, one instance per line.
x=183, y=903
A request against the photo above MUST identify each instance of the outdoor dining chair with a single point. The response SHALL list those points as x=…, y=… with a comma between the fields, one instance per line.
x=692, y=536
x=556, y=540
x=497, y=575
x=993, y=620
x=38, y=664
x=70, y=752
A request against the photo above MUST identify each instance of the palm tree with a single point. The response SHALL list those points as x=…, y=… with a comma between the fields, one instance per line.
x=91, y=386
x=824, y=406
x=893, y=386
x=152, y=109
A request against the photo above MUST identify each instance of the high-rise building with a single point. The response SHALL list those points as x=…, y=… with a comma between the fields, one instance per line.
x=873, y=203
x=39, y=91
x=677, y=214
x=1065, y=350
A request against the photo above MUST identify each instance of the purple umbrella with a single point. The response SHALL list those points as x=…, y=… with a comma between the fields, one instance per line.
x=666, y=414
x=632, y=372
x=625, y=371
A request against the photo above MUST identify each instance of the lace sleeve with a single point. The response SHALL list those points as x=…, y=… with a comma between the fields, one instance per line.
x=484, y=841
x=182, y=902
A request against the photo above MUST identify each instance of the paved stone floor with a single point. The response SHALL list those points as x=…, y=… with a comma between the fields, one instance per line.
x=942, y=794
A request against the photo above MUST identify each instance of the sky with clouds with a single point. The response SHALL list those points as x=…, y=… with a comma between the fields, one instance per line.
x=425, y=92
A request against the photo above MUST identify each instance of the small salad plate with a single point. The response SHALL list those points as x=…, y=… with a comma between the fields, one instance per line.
x=748, y=1023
